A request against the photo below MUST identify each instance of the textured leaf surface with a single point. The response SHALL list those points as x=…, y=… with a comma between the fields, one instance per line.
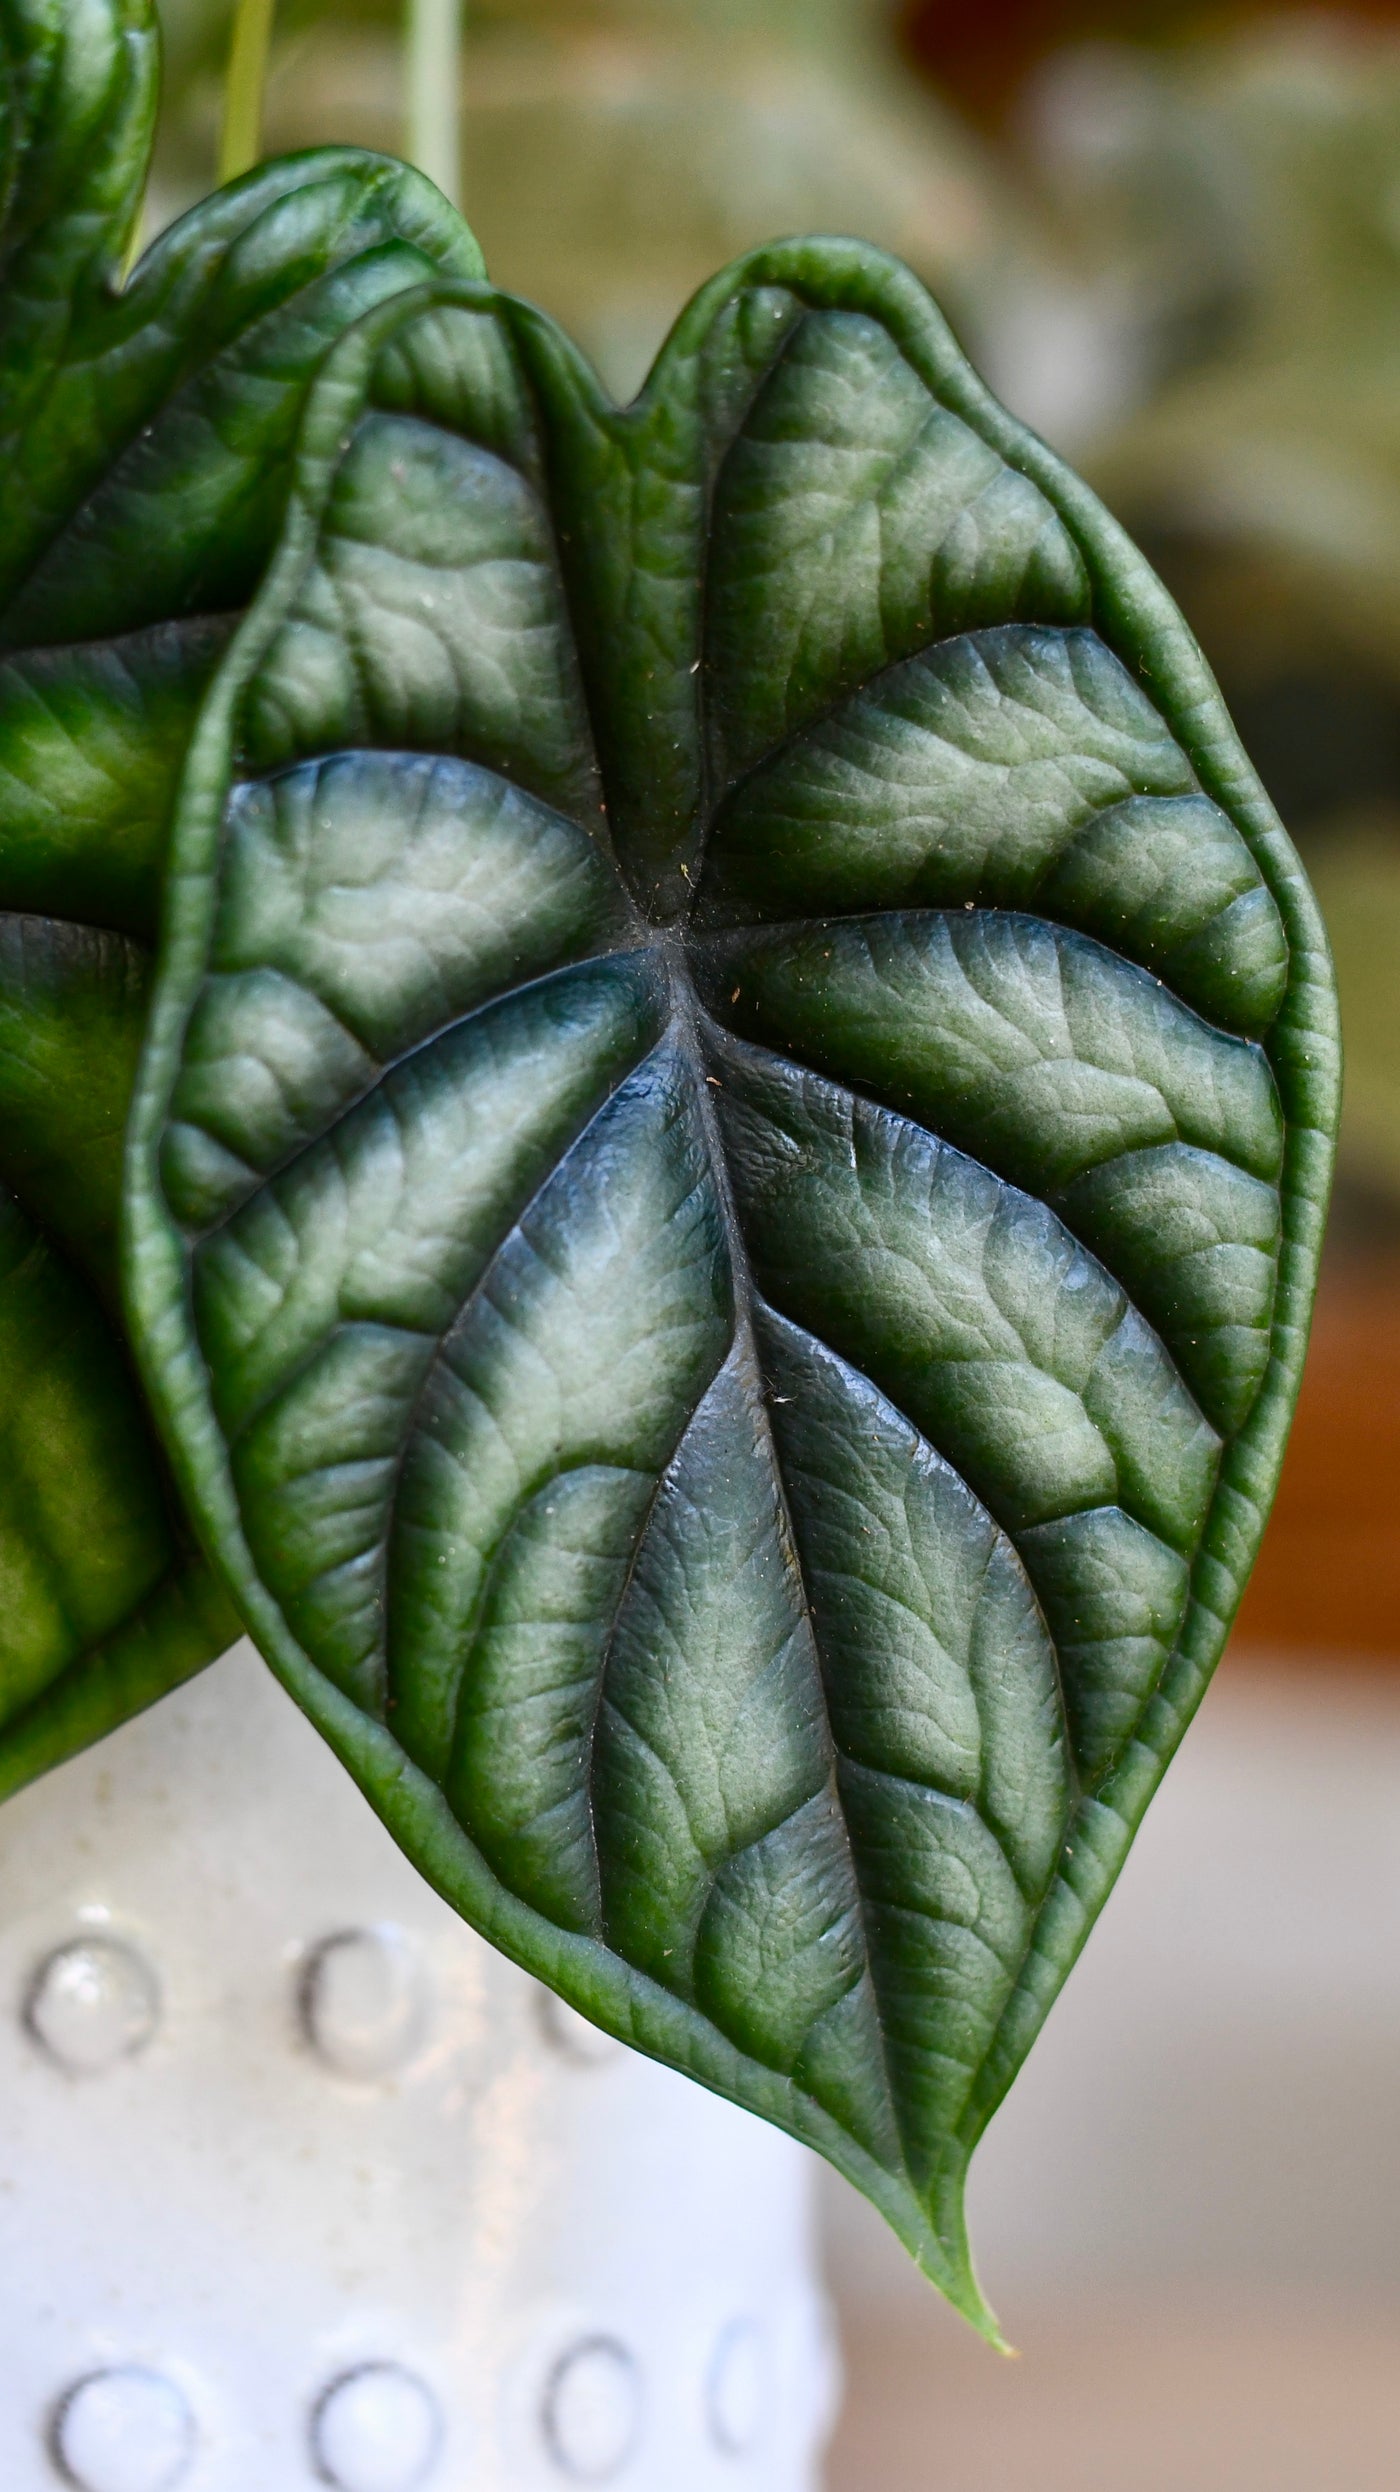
x=145, y=439
x=728, y=1178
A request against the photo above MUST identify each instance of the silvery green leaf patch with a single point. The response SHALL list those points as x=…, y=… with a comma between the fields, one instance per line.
x=728, y=1175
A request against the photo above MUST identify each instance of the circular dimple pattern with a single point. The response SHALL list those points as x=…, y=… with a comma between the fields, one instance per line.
x=736, y=2389
x=377, y=2430
x=92, y=2003
x=572, y=2035
x=364, y=2003
x=592, y=2410
x=126, y=2430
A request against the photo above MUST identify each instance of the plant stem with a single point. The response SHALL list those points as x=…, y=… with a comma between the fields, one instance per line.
x=243, y=90
x=434, y=92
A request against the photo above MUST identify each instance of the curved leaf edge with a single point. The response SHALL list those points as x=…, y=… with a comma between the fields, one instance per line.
x=1141, y=624
x=173, y=1633
x=440, y=228
x=136, y=304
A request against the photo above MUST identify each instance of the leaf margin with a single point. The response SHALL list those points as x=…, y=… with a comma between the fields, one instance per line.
x=1142, y=627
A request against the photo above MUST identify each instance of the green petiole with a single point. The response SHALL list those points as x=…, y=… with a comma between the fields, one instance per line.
x=434, y=78
x=241, y=145
x=434, y=44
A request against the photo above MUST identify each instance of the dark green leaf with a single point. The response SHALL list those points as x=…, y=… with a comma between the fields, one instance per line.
x=728, y=1178
x=145, y=437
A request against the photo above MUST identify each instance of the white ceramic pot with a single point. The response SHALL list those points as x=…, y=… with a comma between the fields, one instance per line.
x=301, y=2184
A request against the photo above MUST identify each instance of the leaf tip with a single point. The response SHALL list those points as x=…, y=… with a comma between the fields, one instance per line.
x=944, y=2254
x=969, y=2301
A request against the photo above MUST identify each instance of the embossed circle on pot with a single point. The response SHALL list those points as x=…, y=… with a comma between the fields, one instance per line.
x=377, y=2429
x=91, y=2004
x=737, y=2388
x=573, y=2036
x=364, y=2002
x=124, y=2430
x=592, y=2410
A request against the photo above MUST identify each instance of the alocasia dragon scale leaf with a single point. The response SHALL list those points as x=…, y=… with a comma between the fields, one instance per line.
x=727, y=1178
x=145, y=441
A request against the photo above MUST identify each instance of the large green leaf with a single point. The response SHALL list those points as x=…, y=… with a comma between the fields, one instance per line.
x=145, y=440
x=727, y=1181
